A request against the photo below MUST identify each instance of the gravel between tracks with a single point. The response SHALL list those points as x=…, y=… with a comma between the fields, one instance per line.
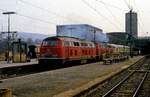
x=47, y=84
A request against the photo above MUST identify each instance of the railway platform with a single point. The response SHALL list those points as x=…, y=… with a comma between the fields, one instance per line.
x=4, y=64
x=64, y=82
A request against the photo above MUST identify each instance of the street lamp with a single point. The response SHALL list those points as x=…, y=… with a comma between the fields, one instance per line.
x=8, y=13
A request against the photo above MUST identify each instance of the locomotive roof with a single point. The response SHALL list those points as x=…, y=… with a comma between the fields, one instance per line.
x=62, y=38
x=67, y=38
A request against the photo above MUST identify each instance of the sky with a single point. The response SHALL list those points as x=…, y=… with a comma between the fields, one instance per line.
x=42, y=16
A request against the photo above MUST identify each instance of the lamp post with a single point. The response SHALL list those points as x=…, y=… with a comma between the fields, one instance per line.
x=8, y=13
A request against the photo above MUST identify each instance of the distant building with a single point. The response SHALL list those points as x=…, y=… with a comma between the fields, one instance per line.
x=134, y=24
x=82, y=31
x=117, y=38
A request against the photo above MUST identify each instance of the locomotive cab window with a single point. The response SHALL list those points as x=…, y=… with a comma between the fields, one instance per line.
x=49, y=43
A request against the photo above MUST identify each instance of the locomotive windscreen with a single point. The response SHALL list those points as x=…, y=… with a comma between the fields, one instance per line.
x=49, y=43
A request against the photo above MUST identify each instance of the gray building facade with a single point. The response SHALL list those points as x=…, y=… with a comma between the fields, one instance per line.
x=134, y=24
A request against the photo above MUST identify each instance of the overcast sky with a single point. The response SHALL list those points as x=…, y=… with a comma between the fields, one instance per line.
x=42, y=16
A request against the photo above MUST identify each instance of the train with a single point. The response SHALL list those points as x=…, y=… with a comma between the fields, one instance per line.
x=63, y=49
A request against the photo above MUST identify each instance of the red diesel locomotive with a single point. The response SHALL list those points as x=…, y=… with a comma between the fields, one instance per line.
x=63, y=49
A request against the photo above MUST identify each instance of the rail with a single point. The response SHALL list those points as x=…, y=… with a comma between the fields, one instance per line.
x=135, y=93
x=110, y=91
x=141, y=83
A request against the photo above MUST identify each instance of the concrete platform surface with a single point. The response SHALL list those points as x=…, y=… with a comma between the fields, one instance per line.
x=50, y=83
x=4, y=64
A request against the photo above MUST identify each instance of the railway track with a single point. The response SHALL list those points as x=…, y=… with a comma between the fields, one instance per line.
x=133, y=82
x=129, y=87
x=145, y=89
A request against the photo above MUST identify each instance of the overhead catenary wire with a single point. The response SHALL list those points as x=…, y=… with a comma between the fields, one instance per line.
x=100, y=14
x=30, y=17
x=37, y=26
x=46, y=10
x=107, y=7
x=2, y=9
x=141, y=24
x=110, y=5
x=33, y=18
x=128, y=5
x=40, y=29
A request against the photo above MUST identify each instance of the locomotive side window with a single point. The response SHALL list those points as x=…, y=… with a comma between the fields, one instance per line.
x=66, y=43
x=49, y=43
x=81, y=44
x=71, y=44
x=91, y=45
x=84, y=44
x=88, y=45
x=76, y=43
